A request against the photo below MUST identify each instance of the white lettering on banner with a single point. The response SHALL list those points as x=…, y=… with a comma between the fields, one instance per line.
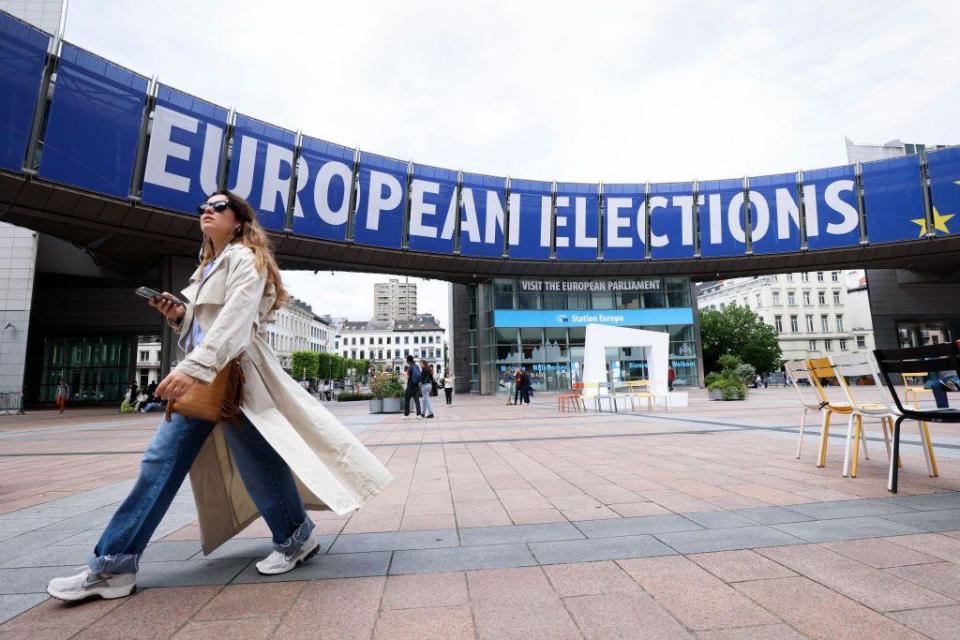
x=581, y=239
x=469, y=221
x=377, y=202
x=761, y=219
x=605, y=318
x=545, y=205
x=787, y=210
x=451, y=219
x=321, y=192
x=851, y=219
x=495, y=216
x=735, y=217
x=273, y=184
x=514, y=219
x=248, y=156
x=163, y=147
x=657, y=202
x=810, y=210
x=562, y=203
x=210, y=161
x=591, y=285
x=686, y=218
x=303, y=177
x=419, y=208
x=615, y=222
x=716, y=219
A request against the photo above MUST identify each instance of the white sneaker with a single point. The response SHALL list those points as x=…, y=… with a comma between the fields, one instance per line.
x=87, y=584
x=278, y=562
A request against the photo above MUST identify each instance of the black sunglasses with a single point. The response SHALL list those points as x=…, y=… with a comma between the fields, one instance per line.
x=219, y=206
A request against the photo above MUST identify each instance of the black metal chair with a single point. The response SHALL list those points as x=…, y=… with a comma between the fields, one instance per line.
x=895, y=362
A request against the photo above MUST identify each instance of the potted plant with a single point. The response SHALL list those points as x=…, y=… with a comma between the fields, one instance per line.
x=730, y=382
x=387, y=392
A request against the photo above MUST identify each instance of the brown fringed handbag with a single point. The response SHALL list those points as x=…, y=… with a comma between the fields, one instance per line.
x=218, y=401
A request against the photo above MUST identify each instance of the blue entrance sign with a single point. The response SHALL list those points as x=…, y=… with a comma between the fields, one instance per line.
x=482, y=215
x=893, y=199
x=433, y=209
x=577, y=221
x=774, y=214
x=324, y=185
x=23, y=51
x=261, y=168
x=94, y=124
x=186, y=144
x=723, y=226
x=581, y=317
x=944, y=173
x=830, y=208
x=624, y=222
x=671, y=220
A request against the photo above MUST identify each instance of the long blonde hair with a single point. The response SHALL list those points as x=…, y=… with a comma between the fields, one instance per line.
x=251, y=235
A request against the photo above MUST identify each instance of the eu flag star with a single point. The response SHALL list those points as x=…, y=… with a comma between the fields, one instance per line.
x=939, y=222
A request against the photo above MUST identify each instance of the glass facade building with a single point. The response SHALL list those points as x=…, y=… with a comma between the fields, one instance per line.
x=96, y=368
x=541, y=326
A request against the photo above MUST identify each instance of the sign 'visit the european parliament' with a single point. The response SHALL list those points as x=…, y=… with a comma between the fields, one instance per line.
x=109, y=131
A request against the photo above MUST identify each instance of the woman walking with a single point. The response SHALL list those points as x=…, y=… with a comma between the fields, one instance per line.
x=283, y=434
x=426, y=386
x=448, y=387
x=63, y=392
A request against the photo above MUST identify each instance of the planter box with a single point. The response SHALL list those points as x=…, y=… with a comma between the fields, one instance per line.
x=717, y=394
x=392, y=405
x=376, y=405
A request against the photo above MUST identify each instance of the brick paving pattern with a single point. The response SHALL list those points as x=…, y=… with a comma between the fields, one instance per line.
x=518, y=522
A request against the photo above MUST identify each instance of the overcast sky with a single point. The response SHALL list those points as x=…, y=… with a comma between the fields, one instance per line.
x=627, y=92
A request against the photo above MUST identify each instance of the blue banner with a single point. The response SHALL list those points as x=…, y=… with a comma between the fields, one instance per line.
x=893, y=199
x=530, y=219
x=261, y=167
x=23, y=51
x=943, y=169
x=774, y=214
x=830, y=208
x=577, y=221
x=383, y=186
x=721, y=205
x=324, y=185
x=94, y=124
x=482, y=215
x=671, y=220
x=624, y=222
x=582, y=317
x=186, y=144
x=433, y=209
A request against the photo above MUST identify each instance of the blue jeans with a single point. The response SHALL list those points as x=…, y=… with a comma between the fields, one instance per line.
x=425, y=390
x=940, y=390
x=165, y=464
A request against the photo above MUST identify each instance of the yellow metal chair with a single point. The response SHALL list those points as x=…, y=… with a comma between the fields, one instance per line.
x=640, y=390
x=912, y=388
x=858, y=366
x=824, y=376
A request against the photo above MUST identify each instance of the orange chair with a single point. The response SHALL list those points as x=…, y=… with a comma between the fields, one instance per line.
x=572, y=399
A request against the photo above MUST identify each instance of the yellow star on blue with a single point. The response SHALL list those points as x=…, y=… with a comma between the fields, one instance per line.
x=939, y=222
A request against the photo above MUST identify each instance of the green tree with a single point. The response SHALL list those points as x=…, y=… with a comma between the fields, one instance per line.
x=738, y=331
x=303, y=365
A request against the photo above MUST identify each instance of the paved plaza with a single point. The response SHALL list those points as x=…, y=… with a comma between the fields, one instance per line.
x=515, y=522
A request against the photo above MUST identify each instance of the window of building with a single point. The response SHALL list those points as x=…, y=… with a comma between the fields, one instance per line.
x=839, y=322
x=861, y=342
x=843, y=345
x=794, y=324
x=388, y=339
x=812, y=346
x=804, y=277
x=345, y=354
x=789, y=277
x=791, y=298
x=778, y=323
x=406, y=339
x=819, y=276
x=822, y=297
x=836, y=297
x=809, y=324
x=144, y=356
x=758, y=301
x=776, y=298
x=745, y=305
x=362, y=356
x=824, y=322
x=380, y=340
x=806, y=297
x=835, y=276
x=353, y=341
x=361, y=339
x=827, y=345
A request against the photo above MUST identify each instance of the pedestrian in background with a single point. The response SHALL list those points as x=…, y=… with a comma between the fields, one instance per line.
x=63, y=392
x=448, y=387
x=426, y=387
x=412, y=389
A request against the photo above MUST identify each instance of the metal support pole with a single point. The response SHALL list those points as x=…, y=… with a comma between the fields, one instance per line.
x=506, y=217
x=292, y=191
x=861, y=211
x=747, y=217
x=405, y=228
x=926, y=191
x=646, y=222
x=456, y=224
x=45, y=93
x=696, y=219
x=354, y=196
x=553, y=221
x=803, y=212
x=601, y=203
x=226, y=151
x=136, y=179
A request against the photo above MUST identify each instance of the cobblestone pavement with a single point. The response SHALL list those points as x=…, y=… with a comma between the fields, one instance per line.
x=511, y=522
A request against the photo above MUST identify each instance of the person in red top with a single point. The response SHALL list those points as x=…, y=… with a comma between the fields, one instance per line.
x=517, y=375
x=671, y=376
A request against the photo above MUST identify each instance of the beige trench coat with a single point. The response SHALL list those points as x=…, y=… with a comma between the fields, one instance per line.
x=333, y=469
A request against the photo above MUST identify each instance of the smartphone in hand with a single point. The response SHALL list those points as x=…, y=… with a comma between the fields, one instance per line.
x=150, y=294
